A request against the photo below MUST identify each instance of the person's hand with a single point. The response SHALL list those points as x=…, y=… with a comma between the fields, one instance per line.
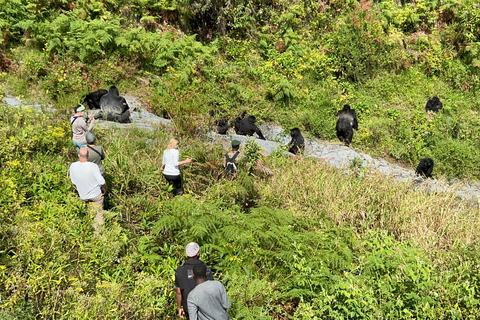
x=188, y=160
x=91, y=117
x=181, y=313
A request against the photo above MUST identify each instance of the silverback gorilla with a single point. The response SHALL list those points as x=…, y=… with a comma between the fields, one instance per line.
x=246, y=126
x=297, y=144
x=425, y=167
x=434, y=104
x=115, y=107
x=93, y=99
x=346, y=122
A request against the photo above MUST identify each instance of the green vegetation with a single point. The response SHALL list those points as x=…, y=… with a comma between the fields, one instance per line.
x=361, y=249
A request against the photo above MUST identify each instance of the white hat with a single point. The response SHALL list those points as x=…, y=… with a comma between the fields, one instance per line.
x=192, y=249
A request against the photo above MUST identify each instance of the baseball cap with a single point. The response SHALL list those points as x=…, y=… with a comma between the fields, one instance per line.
x=192, y=249
x=81, y=108
x=235, y=143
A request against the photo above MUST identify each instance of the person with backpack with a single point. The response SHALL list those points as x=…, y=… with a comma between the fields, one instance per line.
x=230, y=162
x=95, y=152
x=79, y=127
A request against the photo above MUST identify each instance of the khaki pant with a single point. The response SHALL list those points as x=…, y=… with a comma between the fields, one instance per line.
x=95, y=207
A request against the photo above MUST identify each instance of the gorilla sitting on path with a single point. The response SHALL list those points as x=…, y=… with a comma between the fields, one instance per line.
x=93, y=99
x=246, y=126
x=425, y=167
x=434, y=104
x=222, y=125
x=115, y=107
x=297, y=144
x=346, y=122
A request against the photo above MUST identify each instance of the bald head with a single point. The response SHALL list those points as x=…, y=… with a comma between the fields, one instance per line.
x=83, y=154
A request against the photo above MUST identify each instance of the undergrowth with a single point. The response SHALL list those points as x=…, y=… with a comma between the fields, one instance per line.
x=317, y=244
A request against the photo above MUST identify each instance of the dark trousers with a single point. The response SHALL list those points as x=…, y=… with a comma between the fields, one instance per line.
x=176, y=181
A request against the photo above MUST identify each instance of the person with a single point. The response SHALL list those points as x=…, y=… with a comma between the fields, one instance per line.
x=79, y=127
x=95, y=153
x=170, y=164
x=208, y=300
x=231, y=158
x=184, y=281
x=90, y=184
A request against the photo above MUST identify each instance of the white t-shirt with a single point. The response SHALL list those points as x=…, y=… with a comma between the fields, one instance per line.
x=170, y=160
x=87, y=179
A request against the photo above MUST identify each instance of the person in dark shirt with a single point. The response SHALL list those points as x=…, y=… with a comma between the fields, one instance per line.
x=95, y=152
x=184, y=280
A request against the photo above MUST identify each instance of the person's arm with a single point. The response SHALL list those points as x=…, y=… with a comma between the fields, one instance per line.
x=225, y=302
x=83, y=124
x=188, y=160
x=192, y=310
x=99, y=178
x=103, y=187
x=178, y=295
x=92, y=122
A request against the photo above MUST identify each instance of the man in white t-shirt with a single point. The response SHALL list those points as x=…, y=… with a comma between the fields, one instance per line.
x=89, y=183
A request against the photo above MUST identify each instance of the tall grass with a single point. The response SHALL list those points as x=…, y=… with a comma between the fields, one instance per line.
x=314, y=189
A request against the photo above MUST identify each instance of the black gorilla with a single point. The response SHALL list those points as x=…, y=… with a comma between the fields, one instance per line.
x=246, y=126
x=115, y=107
x=434, y=104
x=297, y=144
x=222, y=125
x=346, y=122
x=93, y=98
x=425, y=167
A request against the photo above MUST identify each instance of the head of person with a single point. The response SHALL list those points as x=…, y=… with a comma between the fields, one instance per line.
x=235, y=145
x=200, y=271
x=173, y=144
x=79, y=109
x=90, y=137
x=83, y=154
x=192, y=250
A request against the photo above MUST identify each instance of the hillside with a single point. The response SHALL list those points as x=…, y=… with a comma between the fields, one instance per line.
x=307, y=243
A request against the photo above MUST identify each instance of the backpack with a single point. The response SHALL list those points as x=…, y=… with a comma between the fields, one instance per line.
x=231, y=164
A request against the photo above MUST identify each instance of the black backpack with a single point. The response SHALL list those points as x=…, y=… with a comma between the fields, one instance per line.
x=231, y=164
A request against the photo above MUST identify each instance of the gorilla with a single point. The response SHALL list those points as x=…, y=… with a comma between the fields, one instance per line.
x=93, y=99
x=434, y=104
x=222, y=125
x=246, y=126
x=425, y=167
x=297, y=144
x=346, y=122
x=115, y=107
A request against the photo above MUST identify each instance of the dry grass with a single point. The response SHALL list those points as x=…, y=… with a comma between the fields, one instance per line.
x=433, y=221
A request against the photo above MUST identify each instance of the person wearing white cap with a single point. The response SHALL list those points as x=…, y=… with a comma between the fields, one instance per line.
x=184, y=280
x=79, y=127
